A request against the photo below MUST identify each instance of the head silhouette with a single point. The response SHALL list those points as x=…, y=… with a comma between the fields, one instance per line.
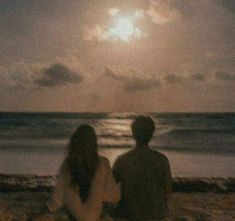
x=142, y=129
x=83, y=142
x=83, y=159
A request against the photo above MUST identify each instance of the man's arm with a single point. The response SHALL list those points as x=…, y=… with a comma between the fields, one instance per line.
x=167, y=179
x=116, y=171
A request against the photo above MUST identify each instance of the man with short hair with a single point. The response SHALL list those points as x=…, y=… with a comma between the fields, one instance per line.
x=144, y=175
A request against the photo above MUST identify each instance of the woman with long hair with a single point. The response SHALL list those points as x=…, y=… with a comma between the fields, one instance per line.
x=85, y=181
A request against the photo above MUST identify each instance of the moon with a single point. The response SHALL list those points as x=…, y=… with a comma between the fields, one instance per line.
x=123, y=29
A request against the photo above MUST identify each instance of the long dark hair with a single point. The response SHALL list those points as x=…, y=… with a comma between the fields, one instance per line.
x=83, y=159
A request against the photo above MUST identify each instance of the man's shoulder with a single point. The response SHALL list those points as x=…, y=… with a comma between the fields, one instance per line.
x=152, y=155
x=159, y=155
x=132, y=153
x=124, y=157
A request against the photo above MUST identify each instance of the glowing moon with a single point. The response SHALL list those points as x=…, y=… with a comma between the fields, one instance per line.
x=123, y=29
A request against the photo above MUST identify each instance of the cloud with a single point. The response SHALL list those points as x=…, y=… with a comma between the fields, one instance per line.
x=162, y=11
x=114, y=33
x=123, y=28
x=198, y=77
x=57, y=75
x=18, y=75
x=172, y=78
x=228, y=5
x=28, y=76
x=96, y=33
x=132, y=79
x=113, y=11
x=224, y=76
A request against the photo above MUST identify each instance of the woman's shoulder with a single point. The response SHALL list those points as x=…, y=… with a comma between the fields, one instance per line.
x=102, y=169
x=64, y=171
x=104, y=165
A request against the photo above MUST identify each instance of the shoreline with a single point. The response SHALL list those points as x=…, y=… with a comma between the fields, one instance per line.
x=35, y=183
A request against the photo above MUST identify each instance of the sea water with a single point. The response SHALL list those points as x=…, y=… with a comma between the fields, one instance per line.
x=197, y=144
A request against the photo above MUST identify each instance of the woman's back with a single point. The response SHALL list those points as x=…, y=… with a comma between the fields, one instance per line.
x=103, y=189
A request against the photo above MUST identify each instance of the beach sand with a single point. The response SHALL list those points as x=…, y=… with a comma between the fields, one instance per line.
x=194, y=199
x=184, y=206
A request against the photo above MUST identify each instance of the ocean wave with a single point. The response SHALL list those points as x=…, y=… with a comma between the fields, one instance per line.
x=196, y=131
x=174, y=131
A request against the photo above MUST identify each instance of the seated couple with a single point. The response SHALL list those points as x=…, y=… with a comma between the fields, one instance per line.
x=139, y=185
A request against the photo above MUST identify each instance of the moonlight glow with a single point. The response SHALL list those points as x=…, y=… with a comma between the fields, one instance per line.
x=124, y=29
x=120, y=28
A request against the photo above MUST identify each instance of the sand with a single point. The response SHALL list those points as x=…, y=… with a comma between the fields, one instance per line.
x=185, y=206
x=194, y=199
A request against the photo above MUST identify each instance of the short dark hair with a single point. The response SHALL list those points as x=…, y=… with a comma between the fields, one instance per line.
x=142, y=129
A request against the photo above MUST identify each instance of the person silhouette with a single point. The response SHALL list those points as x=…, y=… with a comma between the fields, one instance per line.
x=85, y=181
x=145, y=177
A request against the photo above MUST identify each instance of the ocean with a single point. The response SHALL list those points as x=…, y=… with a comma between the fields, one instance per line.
x=197, y=144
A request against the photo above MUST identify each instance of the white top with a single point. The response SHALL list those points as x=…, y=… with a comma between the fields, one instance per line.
x=103, y=189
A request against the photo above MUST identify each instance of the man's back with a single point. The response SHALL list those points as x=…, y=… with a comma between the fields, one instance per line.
x=144, y=175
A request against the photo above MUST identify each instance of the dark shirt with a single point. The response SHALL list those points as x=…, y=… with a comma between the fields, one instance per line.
x=145, y=176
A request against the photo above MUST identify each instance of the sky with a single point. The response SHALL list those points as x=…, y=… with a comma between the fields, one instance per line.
x=117, y=56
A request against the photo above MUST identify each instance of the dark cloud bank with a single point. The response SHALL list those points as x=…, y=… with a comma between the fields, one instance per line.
x=228, y=4
x=224, y=76
x=132, y=80
x=57, y=75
